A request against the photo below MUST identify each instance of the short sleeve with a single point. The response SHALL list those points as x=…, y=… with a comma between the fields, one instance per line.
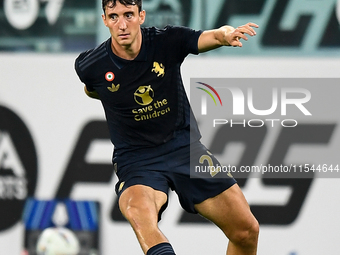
x=80, y=72
x=184, y=40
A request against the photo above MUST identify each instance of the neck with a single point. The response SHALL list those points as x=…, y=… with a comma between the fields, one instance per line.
x=128, y=52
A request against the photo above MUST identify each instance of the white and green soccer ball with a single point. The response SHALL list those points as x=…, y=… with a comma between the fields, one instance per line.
x=58, y=241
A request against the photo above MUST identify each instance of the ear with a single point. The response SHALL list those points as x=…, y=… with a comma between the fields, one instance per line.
x=142, y=17
x=104, y=19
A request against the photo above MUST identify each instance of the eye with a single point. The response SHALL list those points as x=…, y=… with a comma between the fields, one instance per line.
x=114, y=16
x=129, y=15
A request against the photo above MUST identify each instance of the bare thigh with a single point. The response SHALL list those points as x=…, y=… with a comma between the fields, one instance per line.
x=229, y=211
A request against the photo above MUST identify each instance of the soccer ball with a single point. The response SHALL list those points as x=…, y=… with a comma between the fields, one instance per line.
x=57, y=241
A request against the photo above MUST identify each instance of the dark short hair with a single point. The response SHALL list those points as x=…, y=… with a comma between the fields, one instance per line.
x=112, y=3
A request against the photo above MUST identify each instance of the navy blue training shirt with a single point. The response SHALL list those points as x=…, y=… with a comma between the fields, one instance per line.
x=144, y=99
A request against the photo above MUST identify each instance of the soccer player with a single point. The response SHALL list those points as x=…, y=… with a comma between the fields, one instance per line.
x=136, y=75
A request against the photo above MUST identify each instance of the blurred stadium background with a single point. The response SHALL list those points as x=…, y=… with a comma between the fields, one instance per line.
x=55, y=155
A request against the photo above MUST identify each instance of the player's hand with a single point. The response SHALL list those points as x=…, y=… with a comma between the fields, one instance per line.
x=232, y=37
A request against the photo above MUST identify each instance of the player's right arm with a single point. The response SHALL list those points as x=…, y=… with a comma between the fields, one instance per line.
x=92, y=94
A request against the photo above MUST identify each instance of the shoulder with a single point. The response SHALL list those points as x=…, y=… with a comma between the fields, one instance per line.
x=171, y=36
x=180, y=31
x=152, y=32
x=166, y=29
x=90, y=57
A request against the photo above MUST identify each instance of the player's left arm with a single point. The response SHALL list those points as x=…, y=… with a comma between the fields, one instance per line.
x=225, y=36
x=91, y=94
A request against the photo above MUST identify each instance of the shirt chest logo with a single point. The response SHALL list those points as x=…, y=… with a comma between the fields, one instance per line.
x=159, y=69
x=109, y=76
x=144, y=95
x=114, y=88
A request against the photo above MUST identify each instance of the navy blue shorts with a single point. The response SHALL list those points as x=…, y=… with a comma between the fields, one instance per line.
x=171, y=170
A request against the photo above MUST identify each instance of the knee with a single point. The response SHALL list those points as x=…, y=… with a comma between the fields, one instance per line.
x=247, y=236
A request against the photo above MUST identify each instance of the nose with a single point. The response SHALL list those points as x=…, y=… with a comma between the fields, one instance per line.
x=122, y=24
